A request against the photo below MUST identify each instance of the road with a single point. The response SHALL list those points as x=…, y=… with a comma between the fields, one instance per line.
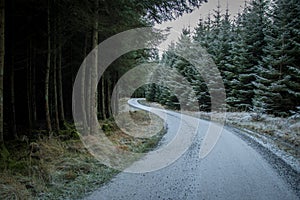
x=232, y=170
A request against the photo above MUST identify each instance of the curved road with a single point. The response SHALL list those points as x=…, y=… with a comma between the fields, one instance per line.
x=232, y=170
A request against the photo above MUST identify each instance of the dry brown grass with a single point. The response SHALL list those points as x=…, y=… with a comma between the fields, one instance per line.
x=12, y=188
x=49, y=169
x=61, y=167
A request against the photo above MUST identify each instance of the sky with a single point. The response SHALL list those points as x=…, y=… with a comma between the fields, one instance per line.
x=192, y=19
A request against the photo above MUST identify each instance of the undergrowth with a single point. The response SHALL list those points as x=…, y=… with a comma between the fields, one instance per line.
x=59, y=166
x=49, y=168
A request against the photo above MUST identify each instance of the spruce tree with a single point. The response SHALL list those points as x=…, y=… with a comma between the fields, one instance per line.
x=239, y=70
x=278, y=86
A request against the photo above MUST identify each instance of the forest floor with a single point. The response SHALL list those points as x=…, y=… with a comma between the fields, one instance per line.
x=280, y=135
x=60, y=167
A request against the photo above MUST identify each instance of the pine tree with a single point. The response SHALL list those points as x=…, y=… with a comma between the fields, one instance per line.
x=257, y=56
x=216, y=36
x=239, y=71
x=178, y=79
x=278, y=87
x=248, y=51
x=254, y=23
x=150, y=92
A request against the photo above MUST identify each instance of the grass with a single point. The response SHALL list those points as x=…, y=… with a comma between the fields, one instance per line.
x=50, y=168
x=142, y=123
x=276, y=127
x=60, y=167
x=285, y=132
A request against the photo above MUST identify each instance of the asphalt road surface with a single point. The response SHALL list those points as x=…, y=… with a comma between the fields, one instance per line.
x=232, y=170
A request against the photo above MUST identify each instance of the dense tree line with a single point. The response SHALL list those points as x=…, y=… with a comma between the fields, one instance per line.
x=257, y=53
x=43, y=44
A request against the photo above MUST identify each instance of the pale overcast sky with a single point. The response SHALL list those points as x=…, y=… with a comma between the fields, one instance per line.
x=192, y=19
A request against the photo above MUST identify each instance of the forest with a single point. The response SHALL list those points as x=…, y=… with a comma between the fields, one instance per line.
x=43, y=44
x=256, y=52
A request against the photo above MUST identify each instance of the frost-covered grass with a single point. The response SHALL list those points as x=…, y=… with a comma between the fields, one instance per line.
x=285, y=128
x=279, y=135
x=284, y=132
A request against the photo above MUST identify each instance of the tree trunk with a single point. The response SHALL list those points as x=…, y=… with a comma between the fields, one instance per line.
x=12, y=99
x=94, y=73
x=55, y=87
x=59, y=74
x=55, y=90
x=2, y=53
x=33, y=95
x=60, y=88
x=108, y=95
x=47, y=110
x=13, y=126
x=103, y=98
x=88, y=94
x=83, y=86
x=29, y=103
x=99, y=99
x=116, y=102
